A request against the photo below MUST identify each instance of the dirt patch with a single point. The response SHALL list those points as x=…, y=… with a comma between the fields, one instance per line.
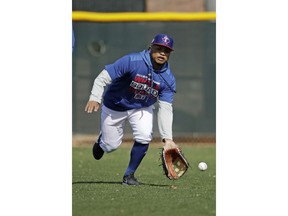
x=81, y=140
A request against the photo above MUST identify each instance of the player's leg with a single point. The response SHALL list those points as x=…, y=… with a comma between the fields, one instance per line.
x=112, y=129
x=97, y=150
x=141, y=121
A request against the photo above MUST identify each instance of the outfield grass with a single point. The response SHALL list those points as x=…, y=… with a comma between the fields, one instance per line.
x=97, y=188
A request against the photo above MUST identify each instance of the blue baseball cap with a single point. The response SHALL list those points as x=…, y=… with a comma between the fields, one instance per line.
x=163, y=40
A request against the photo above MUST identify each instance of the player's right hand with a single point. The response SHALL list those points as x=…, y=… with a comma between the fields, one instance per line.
x=92, y=106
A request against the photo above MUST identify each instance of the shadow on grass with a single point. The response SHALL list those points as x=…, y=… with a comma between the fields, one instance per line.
x=116, y=183
x=96, y=182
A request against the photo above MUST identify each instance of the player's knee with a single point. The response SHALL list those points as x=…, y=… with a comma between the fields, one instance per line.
x=110, y=146
x=144, y=138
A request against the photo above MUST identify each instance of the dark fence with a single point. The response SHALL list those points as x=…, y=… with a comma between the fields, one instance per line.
x=193, y=63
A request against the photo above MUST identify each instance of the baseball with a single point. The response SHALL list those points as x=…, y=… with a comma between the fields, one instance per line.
x=202, y=166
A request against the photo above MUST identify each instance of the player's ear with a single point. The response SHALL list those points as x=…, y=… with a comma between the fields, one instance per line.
x=150, y=47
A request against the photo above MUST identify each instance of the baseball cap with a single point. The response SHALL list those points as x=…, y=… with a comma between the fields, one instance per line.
x=163, y=40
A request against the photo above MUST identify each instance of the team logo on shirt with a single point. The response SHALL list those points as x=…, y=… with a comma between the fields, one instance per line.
x=142, y=87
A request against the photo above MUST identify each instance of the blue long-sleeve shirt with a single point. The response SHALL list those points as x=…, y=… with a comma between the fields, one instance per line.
x=136, y=84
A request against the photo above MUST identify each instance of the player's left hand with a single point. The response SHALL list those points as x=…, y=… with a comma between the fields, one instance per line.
x=92, y=106
x=168, y=143
x=174, y=163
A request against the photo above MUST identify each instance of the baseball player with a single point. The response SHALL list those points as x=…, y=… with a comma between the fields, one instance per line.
x=132, y=85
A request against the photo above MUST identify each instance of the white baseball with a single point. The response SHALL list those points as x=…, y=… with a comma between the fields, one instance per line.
x=202, y=166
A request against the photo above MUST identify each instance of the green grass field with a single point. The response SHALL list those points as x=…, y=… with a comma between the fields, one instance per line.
x=97, y=188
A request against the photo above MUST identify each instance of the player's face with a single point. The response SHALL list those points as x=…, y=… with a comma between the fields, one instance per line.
x=160, y=54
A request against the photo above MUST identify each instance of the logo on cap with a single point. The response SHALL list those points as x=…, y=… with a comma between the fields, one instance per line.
x=163, y=40
x=166, y=40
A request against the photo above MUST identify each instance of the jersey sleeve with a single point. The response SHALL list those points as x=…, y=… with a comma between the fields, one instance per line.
x=165, y=120
x=119, y=68
x=100, y=82
x=167, y=94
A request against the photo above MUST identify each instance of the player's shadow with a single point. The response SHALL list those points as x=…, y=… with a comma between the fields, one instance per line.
x=116, y=183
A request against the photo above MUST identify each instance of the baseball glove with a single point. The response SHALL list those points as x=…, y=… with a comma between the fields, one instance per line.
x=174, y=163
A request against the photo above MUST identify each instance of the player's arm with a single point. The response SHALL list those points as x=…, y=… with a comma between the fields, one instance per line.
x=97, y=91
x=165, y=121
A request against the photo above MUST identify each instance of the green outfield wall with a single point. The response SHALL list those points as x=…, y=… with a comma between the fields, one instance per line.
x=193, y=64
